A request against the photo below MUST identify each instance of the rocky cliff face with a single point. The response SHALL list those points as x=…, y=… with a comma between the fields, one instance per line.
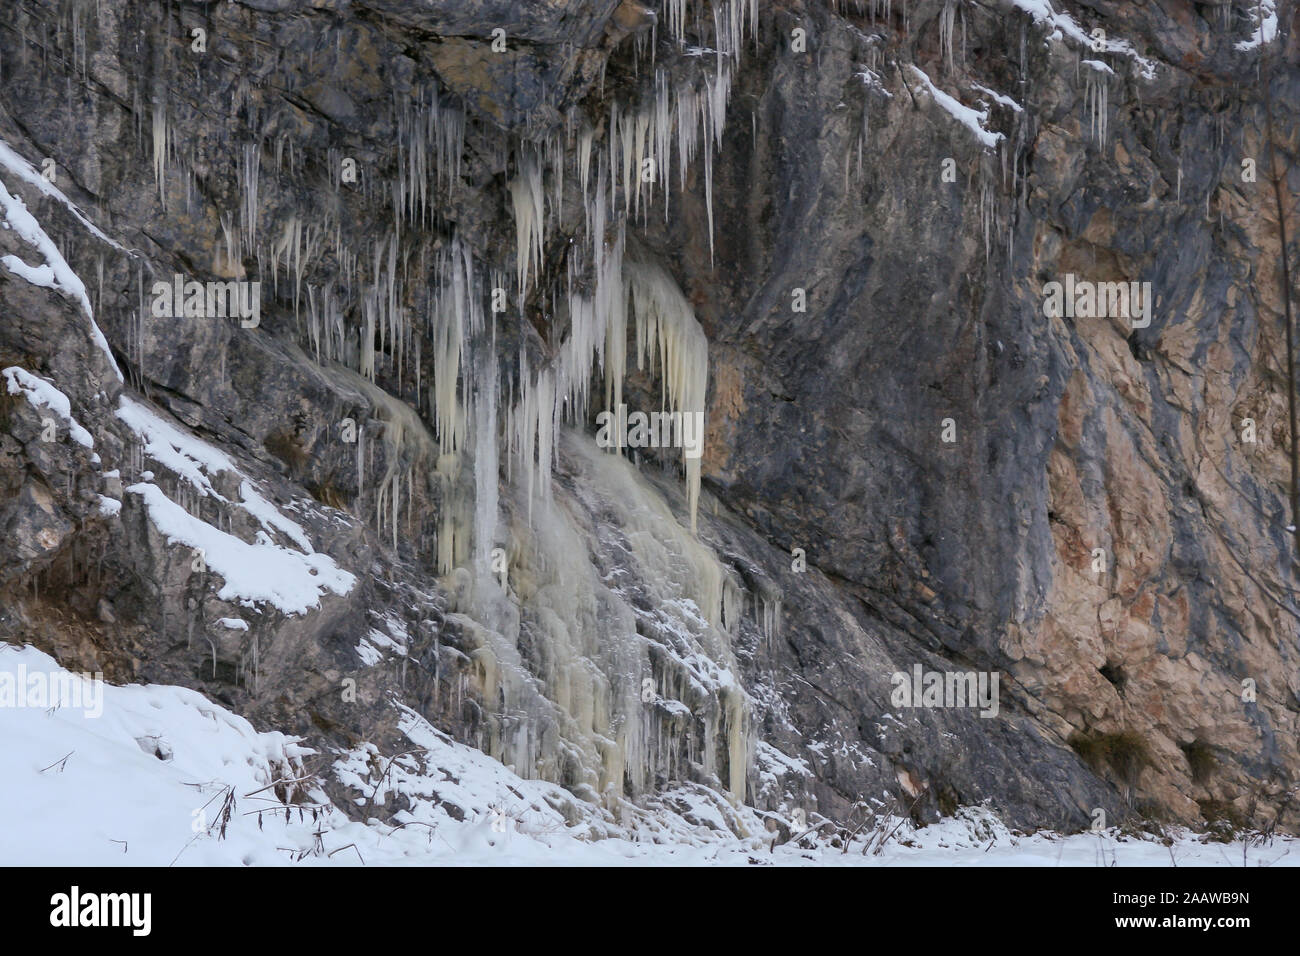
x=368, y=493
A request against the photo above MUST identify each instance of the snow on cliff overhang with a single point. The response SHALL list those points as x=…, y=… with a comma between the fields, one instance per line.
x=1264, y=14
x=1062, y=26
x=972, y=119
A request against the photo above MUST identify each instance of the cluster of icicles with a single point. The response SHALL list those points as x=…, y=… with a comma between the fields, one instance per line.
x=373, y=309
x=388, y=304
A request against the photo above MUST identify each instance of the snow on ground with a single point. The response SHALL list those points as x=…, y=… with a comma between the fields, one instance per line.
x=145, y=783
x=136, y=781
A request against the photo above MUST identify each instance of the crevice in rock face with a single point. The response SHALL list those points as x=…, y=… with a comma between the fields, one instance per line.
x=1201, y=759
x=1114, y=673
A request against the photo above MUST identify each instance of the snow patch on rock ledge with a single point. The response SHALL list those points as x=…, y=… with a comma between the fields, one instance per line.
x=1063, y=25
x=25, y=171
x=43, y=394
x=292, y=579
x=972, y=119
x=1264, y=15
x=55, y=273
